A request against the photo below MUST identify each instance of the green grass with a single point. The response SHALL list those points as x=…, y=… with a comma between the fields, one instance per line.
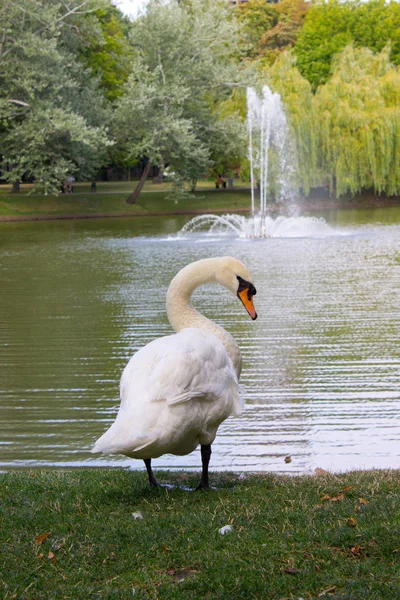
x=301, y=537
x=110, y=199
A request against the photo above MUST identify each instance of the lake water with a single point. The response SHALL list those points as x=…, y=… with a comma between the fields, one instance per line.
x=321, y=363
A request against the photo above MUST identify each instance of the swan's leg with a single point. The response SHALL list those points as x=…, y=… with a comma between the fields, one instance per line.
x=152, y=479
x=205, y=459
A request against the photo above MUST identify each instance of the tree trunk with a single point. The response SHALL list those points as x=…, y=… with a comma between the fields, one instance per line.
x=135, y=194
x=16, y=187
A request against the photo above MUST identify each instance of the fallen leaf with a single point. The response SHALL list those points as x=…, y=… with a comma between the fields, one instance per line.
x=288, y=459
x=351, y=522
x=338, y=498
x=181, y=574
x=329, y=590
x=327, y=498
x=346, y=488
x=39, y=539
x=356, y=550
x=321, y=472
x=292, y=571
x=50, y=555
x=363, y=501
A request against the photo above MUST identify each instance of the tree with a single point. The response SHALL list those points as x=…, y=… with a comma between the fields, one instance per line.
x=269, y=29
x=51, y=112
x=357, y=114
x=330, y=25
x=283, y=35
x=182, y=66
x=256, y=18
x=105, y=48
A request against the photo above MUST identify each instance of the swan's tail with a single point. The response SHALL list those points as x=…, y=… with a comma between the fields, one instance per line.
x=117, y=441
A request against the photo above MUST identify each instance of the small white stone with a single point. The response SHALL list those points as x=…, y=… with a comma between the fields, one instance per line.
x=137, y=515
x=225, y=529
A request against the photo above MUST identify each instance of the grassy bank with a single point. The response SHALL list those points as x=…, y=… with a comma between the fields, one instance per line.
x=73, y=534
x=109, y=200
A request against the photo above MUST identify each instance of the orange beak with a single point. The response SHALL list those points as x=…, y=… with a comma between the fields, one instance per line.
x=247, y=301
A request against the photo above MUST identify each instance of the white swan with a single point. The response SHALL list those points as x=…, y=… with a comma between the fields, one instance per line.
x=177, y=390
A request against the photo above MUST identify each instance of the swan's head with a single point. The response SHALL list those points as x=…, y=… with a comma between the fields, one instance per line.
x=233, y=275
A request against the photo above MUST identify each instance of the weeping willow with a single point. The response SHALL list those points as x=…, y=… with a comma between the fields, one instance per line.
x=357, y=123
x=347, y=134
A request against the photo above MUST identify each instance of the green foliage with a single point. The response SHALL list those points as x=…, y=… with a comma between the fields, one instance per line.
x=291, y=15
x=51, y=113
x=331, y=25
x=106, y=49
x=269, y=29
x=256, y=17
x=182, y=61
x=358, y=123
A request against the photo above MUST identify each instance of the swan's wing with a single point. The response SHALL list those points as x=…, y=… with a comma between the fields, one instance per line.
x=178, y=368
x=156, y=386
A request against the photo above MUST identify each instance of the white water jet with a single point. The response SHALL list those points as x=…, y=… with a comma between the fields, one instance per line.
x=242, y=227
x=269, y=153
x=271, y=159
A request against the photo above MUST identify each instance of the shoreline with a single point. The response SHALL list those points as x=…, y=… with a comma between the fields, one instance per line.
x=321, y=205
x=113, y=215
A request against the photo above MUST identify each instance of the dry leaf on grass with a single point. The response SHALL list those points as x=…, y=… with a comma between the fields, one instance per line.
x=39, y=539
x=346, y=488
x=337, y=498
x=363, y=501
x=320, y=472
x=351, y=522
x=356, y=550
x=183, y=573
x=327, y=498
x=291, y=571
x=329, y=590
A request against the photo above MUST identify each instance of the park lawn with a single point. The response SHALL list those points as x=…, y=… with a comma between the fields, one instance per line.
x=112, y=202
x=73, y=534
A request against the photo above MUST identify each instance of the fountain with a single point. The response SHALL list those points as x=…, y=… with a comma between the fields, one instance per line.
x=272, y=172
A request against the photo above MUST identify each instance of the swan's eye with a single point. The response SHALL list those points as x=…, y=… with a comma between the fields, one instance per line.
x=246, y=285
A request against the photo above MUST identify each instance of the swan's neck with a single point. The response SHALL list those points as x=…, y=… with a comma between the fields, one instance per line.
x=181, y=313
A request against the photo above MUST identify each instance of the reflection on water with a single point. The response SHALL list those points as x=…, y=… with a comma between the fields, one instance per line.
x=321, y=363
